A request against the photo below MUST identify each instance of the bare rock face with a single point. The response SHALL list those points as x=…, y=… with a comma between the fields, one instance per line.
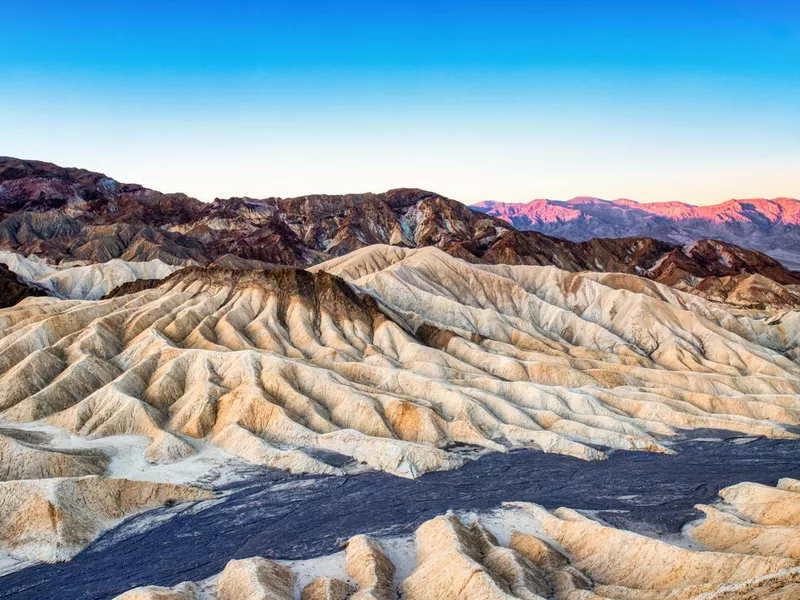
x=538, y=551
x=614, y=563
x=748, y=291
x=370, y=568
x=326, y=588
x=83, y=282
x=24, y=456
x=183, y=591
x=454, y=561
x=53, y=519
x=257, y=579
x=12, y=289
x=784, y=585
x=753, y=519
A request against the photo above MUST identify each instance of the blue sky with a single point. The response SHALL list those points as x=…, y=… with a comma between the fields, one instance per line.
x=691, y=101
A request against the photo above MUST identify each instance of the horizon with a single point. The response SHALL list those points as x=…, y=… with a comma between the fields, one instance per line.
x=377, y=192
x=691, y=102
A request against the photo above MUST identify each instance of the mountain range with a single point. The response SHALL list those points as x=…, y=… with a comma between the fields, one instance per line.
x=771, y=226
x=70, y=216
x=219, y=401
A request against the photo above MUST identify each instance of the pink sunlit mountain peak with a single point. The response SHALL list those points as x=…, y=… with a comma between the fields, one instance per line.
x=769, y=225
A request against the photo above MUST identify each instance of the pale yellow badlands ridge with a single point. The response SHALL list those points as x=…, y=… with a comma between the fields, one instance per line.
x=53, y=519
x=25, y=455
x=565, y=556
x=423, y=352
x=753, y=519
x=81, y=281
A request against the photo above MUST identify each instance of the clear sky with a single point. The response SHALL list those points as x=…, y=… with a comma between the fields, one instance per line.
x=697, y=101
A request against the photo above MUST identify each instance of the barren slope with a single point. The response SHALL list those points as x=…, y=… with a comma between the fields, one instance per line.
x=68, y=215
x=82, y=282
x=522, y=552
x=281, y=367
x=768, y=225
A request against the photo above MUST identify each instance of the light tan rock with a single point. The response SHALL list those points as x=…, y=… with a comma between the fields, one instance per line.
x=782, y=585
x=367, y=564
x=326, y=588
x=53, y=519
x=84, y=282
x=616, y=559
x=255, y=579
x=459, y=562
x=787, y=483
x=725, y=532
x=763, y=504
x=182, y=591
x=538, y=551
x=417, y=352
x=23, y=455
x=752, y=519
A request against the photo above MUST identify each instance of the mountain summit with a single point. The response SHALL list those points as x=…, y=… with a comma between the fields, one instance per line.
x=67, y=215
x=771, y=226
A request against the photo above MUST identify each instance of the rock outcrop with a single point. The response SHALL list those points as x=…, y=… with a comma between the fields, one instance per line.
x=26, y=455
x=561, y=555
x=326, y=588
x=456, y=561
x=255, y=578
x=183, y=591
x=13, y=289
x=83, y=282
x=51, y=520
x=370, y=568
x=753, y=519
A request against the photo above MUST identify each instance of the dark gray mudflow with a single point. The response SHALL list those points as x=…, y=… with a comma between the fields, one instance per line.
x=276, y=515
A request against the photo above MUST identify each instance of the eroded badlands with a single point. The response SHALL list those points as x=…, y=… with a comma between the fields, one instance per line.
x=394, y=360
x=524, y=551
x=423, y=352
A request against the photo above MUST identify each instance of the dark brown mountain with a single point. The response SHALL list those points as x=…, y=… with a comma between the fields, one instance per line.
x=73, y=214
x=67, y=214
x=661, y=261
x=12, y=290
x=34, y=186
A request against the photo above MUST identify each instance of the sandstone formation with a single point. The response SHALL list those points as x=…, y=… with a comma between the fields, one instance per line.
x=255, y=578
x=53, y=519
x=183, y=591
x=326, y=588
x=26, y=455
x=369, y=567
x=749, y=291
x=625, y=564
x=455, y=561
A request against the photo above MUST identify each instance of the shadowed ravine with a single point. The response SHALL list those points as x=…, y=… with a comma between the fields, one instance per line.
x=277, y=515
